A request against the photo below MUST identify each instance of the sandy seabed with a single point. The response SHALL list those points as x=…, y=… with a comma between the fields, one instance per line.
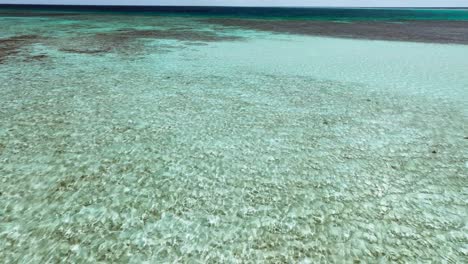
x=173, y=139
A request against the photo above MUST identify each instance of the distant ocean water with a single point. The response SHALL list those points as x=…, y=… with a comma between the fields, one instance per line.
x=223, y=135
x=380, y=14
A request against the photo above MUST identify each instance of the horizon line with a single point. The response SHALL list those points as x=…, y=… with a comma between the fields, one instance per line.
x=240, y=6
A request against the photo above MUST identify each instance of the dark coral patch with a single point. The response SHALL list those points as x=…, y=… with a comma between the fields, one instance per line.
x=12, y=46
x=175, y=34
x=86, y=51
x=32, y=58
x=130, y=41
x=416, y=31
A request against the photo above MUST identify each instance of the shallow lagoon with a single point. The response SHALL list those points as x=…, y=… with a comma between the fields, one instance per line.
x=173, y=139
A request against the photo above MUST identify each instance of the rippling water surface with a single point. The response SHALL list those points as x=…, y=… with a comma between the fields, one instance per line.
x=175, y=137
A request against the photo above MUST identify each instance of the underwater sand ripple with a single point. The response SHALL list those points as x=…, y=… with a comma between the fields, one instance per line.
x=279, y=149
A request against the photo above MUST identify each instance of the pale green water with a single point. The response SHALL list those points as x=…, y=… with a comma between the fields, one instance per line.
x=267, y=148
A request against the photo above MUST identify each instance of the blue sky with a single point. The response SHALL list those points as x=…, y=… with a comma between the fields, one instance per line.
x=377, y=3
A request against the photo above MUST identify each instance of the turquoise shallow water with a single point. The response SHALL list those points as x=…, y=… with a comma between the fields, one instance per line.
x=168, y=139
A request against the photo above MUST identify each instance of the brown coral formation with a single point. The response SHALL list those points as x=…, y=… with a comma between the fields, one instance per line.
x=416, y=31
x=12, y=46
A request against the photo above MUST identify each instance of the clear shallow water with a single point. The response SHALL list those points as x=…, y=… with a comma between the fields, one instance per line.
x=215, y=144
